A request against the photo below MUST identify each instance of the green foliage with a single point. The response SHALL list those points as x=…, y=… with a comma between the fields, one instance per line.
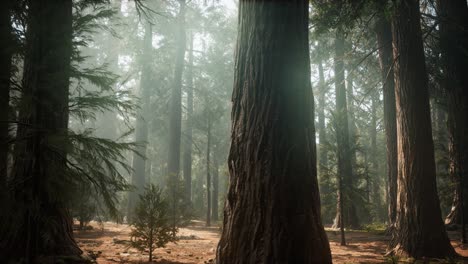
x=151, y=226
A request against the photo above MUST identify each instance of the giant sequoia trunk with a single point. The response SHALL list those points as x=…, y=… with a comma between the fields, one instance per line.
x=5, y=73
x=453, y=42
x=272, y=211
x=347, y=215
x=141, y=130
x=189, y=127
x=384, y=41
x=419, y=230
x=42, y=223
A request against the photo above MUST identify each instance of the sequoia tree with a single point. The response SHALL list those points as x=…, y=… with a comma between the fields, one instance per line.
x=40, y=210
x=346, y=209
x=384, y=41
x=272, y=210
x=419, y=230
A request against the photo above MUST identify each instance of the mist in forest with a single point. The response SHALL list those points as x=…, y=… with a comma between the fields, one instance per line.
x=233, y=131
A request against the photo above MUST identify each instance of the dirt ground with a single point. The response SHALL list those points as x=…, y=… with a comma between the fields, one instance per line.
x=197, y=244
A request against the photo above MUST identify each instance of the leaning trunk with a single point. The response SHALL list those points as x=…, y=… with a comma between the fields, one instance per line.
x=419, y=230
x=272, y=211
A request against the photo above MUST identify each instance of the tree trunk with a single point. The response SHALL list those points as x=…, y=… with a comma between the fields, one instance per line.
x=208, y=170
x=323, y=156
x=376, y=197
x=175, y=114
x=40, y=210
x=141, y=130
x=214, y=203
x=176, y=99
x=453, y=42
x=189, y=127
x=419, y=230
x=272, y=211
x=384, y=41
x=5, y=74
x=345, y=173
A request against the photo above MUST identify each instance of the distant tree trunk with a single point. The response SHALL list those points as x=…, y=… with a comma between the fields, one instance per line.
x=384, y=41
x=175, y=113
x=351, y=116
x=345, y=173
x=376, y=197
x=323, y=157
x=43, y=224
x=189, y=125
x=208, y=170
x=5, y=74
x=453, y=41
x=419, y=230
x=214, y=203
x=272, y=211
x=141, y=130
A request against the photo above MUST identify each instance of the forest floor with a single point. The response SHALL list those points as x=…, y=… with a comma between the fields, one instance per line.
x=197, y=244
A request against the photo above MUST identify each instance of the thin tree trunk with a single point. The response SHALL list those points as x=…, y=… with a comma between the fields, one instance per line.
x=345, y=174
x=323, y=156
x=272, y=211
x=419, y=230
x=453, y=42
x=214, y=203
x=39, y=159
x=208, y=174
x=141, y=130
x=175, y=115
x=5, y=74
x=384, y=41
x=189, y=127
x=376, y=197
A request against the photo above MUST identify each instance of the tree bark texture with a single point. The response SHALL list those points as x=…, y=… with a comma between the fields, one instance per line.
x=419, y=230
x=453, y=43
x=189, y=127
x=272, y=210
x=141, y=130
x=40, y=210
x=345, y=169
